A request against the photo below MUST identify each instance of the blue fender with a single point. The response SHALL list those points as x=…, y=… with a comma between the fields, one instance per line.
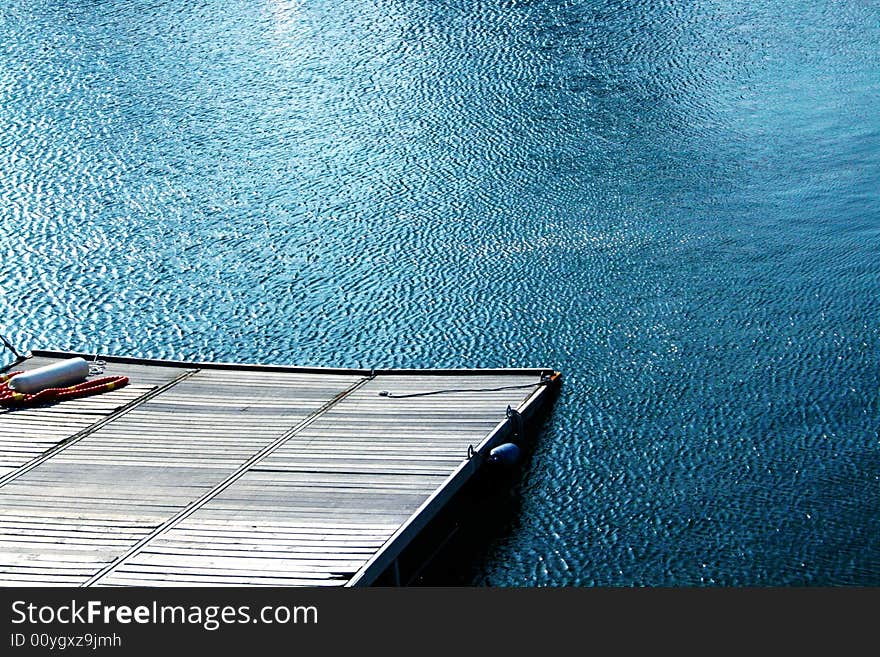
x=507, y=455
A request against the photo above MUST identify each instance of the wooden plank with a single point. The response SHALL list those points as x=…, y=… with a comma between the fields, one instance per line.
x=152, y=579
x=136, y=484
x=115, y=404
x=249, y=475
x=270, y=493
x=228, y=481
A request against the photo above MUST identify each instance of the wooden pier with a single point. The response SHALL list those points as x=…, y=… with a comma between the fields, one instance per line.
x=207, y=474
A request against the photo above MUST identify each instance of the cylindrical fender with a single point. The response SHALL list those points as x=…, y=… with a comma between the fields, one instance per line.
x=56, y=375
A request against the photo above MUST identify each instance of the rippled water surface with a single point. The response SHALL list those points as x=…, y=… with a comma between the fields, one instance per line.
x=675, y=203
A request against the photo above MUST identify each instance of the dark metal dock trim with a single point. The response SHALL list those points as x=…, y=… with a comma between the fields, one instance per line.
x=293, y=368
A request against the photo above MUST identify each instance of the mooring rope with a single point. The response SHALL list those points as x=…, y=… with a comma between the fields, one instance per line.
x=19, y=357
x=8, y=345
x=11, y=399
x=545, y=379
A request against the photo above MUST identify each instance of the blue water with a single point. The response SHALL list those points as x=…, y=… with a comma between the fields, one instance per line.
x=677, y=204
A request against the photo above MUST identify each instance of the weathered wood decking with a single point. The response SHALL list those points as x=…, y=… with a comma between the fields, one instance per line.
x=211, y=474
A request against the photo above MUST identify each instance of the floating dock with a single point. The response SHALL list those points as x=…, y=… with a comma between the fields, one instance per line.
x=208, y=474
